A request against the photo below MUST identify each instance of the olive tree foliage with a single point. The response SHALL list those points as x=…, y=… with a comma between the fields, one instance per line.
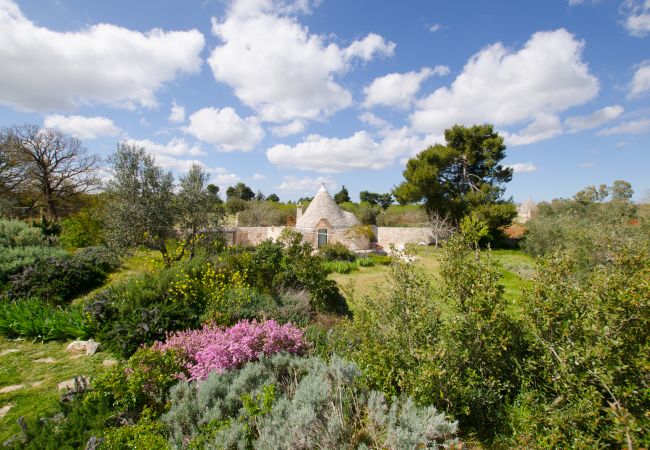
x=198, y=207
x=48, y=166
x=463, y=176
x=141, y=208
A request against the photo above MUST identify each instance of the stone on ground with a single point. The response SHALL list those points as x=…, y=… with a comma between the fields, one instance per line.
x=69, y=384
x=90, y=347
x=109, y=363
x=5, y=409
x=13, y=387
x=45, y=360
x=8, y=351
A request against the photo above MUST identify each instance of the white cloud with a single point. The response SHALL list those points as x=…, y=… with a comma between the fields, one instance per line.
x=82, y=127
x=177, y=114
x=359, y=151
x=637, y=17
x=225, y=129
x=372, y=120
x=441, y=70
x=436, y=27
x=632, y=127
x=395, y=89
x=175, y=147
x=294, y=127
x=507, y=87
x=305, y=185
x=44, y=69
x=278, y=68
x=597, y=118
x=544, y=126
x=259, y=176
x=641, y=81
x=586, y=165
x=522, y=167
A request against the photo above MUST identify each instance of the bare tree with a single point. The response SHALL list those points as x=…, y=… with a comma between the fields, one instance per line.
x=441, y=226
x=12, y=168
x=57, y=166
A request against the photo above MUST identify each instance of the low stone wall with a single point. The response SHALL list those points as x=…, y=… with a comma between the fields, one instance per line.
x=399, y=236
x=256, y=235
x=386, y=236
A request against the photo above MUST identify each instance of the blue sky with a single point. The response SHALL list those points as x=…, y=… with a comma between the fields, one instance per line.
x=284, y=95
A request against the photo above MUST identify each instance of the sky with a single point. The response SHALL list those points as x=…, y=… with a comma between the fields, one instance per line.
x=284, y=95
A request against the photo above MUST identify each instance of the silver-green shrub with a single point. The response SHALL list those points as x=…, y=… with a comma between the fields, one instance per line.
x=287, y=402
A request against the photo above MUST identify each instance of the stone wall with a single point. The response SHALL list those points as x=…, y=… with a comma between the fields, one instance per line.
x=256, y=235
x=386, y=236
x=398, y=236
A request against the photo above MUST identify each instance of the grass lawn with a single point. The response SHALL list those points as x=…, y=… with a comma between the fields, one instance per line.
x=39, y=395
x=516, y=268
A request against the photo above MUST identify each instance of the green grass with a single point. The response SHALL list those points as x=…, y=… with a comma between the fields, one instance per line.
x=516, y=269
x=20, y=367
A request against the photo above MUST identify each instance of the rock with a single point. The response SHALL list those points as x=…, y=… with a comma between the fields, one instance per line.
x=70, y=384
x=90, y=347
x=13, y=387
x=45, y=360
x=109, y=363
x=8, y=351
x=77, y=356
x=36, y=383
x=5, y=409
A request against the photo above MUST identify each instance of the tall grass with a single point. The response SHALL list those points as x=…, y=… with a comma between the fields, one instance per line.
x=36, y=319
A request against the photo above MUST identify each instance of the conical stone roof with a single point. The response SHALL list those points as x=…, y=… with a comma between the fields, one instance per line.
x=323, y=206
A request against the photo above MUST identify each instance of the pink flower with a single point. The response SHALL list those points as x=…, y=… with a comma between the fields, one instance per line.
x=217, y=349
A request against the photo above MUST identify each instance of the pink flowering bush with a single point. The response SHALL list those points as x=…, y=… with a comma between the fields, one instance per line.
x=217, y=349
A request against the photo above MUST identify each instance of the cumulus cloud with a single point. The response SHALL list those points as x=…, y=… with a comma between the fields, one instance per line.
x=397, y=89
x=522, y=167
x=636, y=17
x=632, y=127
x=640, y=81
x=359, y=151
x=544, y=126
x=81, y=126
x=175, y=147
x=224, y=129
x=177, y=114
x=294, y=127
x=259, y=176
x=44, y=69
x=373, y=120
x=597, y=118
x=436, y=27
x=299, y=67
x=507, y=87
x=305, y=185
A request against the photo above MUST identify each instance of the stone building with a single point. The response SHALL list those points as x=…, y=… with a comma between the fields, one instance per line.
x=323, y=222
x=526, y=211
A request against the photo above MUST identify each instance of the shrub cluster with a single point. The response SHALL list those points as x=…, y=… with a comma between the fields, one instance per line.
x=286, y=402
x=218, y=349
x=59, y=279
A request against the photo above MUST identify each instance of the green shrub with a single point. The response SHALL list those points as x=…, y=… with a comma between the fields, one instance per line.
x=291, y=402
x=83, y=229
x=147, y=434
x=587, y=381
x=336, y=252
x=14, y=233
x=35, y=319
x=463, y=361
x=60, y=279
x=141, y=384
x=340, y=266
x=14, y=260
